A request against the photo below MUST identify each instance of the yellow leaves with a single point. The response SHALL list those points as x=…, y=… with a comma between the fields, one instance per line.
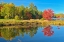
x=17, y=17
x=11, y=5
x=61, y=15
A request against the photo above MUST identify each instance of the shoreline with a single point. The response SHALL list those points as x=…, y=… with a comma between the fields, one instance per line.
x=13, y=22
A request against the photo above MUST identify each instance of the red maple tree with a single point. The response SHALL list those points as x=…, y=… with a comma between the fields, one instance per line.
x=48, y=14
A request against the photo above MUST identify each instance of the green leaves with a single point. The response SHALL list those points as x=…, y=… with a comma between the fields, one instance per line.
x=9, y=10
x=17, y=17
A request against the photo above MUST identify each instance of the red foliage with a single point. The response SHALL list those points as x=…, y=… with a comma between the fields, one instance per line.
x=48, y=14
x=58, y=17
x=48, y=31
x=1, y=8
x=28, y=15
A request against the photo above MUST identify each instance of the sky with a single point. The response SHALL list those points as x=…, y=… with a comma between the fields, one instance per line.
x=56, y=5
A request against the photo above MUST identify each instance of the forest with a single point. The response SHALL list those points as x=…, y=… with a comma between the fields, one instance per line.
x=10, y=11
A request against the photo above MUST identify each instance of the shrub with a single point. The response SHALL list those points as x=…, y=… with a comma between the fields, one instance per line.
x=42, y=19
x=6, y=17
x=17, y=17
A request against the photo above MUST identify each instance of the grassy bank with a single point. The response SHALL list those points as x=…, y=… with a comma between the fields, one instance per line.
x=11, y=22
x=57, y=22
x=32, y=22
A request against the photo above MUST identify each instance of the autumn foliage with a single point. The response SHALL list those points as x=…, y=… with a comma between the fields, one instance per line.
x=48, y=14
x=58, y=17
x=1, y=8
x=48, y=31
x=29, y=16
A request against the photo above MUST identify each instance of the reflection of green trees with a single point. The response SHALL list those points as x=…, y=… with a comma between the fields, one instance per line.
x=0, y=32
x=10, y=33
x=33, y=31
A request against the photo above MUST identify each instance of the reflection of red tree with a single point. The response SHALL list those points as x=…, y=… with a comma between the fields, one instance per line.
x=48, y=31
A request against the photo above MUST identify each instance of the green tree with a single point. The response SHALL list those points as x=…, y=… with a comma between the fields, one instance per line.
x=21, y=10
x=5, y=11
x=12, y=10
x=31, y=9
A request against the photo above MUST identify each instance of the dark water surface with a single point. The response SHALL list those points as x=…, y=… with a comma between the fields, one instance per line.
x=34, y=34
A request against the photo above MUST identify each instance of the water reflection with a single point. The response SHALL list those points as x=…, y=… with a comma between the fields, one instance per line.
x=10, y=33
x=48, y=31
x=58, y=27
x=27, y=34
x=19, y=40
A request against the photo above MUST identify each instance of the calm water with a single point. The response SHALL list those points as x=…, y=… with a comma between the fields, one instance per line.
x=35, y=34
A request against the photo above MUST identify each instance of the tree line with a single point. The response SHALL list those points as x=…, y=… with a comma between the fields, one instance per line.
x=10, y=11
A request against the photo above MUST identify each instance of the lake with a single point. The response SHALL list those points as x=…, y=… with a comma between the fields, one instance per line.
x=49, y=33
